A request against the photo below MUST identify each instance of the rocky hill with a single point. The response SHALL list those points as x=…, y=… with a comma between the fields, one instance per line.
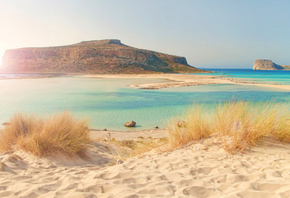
x=93, y=57
x=263, y=64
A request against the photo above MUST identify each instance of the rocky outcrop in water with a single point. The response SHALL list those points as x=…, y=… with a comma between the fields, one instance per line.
x=130, y=124
x=92, y=57
x=264, y=64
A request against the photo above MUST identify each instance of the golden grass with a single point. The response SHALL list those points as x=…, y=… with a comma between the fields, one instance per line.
x=140, y=146
x=148, y=144
x=238, y=124
x=194, y=126
x=59, y=133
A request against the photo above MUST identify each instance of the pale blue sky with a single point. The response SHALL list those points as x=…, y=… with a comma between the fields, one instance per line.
x=209, y=33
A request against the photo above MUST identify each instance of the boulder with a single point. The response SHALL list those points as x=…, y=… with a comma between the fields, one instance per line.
x=130, y=124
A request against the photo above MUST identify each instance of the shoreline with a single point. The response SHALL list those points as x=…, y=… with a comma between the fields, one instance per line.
x=184, y=80
x=198, y=169
x=171, y=80
x=166, y=81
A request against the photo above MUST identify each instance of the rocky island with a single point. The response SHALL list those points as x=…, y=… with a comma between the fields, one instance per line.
x=264, y=64
x=93, y=57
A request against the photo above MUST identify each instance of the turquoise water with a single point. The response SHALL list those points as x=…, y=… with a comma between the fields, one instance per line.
x=109, y=103
x=269, y=76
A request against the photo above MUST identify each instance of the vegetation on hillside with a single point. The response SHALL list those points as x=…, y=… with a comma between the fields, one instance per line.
x=93, y=57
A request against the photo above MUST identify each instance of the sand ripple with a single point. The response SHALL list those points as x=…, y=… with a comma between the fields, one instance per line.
x=191, y=171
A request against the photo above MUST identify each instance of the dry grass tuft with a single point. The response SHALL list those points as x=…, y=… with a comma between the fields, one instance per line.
x=195, y=127
x=59, y=133
x=148, y=144
x=140, y=146
x=238, y=124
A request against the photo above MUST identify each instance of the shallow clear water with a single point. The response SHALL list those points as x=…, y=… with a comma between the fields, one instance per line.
x=269, y=76
x=109, y=103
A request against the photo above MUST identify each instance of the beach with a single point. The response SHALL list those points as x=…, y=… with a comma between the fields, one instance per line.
x=184, y=80
x=198, y=169
x=168, y=80
x=144, y=99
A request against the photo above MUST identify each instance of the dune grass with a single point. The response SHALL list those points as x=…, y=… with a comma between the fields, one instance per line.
x=60, y=133
x=140, y=146
x=195, y=126
x=238, y=124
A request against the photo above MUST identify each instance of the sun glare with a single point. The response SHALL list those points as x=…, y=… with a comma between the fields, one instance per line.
x=1, y=54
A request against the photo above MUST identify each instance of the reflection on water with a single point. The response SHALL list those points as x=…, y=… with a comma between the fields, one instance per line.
x=109, y=103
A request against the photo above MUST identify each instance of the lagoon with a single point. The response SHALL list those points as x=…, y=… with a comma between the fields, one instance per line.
x=109, y=103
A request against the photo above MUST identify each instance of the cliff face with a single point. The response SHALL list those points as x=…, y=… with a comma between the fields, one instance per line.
x=94, y=57
x=263, y=64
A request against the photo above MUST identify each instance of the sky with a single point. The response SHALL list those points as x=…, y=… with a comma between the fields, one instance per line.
x=209, y=33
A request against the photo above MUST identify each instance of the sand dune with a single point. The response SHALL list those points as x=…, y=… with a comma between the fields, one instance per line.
x=202, y=169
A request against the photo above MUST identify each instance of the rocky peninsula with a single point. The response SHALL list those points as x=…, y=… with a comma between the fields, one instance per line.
x=264, y=64
x=93, y=57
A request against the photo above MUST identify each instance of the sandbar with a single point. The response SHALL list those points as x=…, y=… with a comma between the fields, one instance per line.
x=183, y=80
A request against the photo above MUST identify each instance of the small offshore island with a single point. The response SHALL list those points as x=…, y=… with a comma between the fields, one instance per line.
x=139, y=99
x=264, y=64
x=238, y=149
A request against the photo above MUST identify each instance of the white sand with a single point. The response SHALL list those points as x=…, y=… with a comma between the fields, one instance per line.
x=171, y=80
x=183, y=80
x=128, y=135
x=196, y=170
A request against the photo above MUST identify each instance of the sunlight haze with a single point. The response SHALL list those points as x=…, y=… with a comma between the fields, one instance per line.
x=210, y=34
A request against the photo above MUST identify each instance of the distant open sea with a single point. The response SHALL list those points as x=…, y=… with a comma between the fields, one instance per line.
x=259, y=76
x=109, y=103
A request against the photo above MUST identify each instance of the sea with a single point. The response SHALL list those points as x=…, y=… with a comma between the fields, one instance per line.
x=109, y=103
x=256, y=76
